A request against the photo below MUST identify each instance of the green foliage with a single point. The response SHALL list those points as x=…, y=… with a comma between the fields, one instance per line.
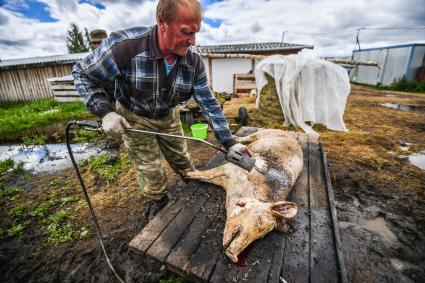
x=108, y=172
x=406, y=85
x=85, y=136
x=6, y=165
x=59, y=216
x=43, y=208
x=18, y=210
x=19, y=168
x=84, y=232
x=75, y=41
x=10, y=192
x=16, y=118
x=57, y=233
x=70, y=199
x=16, y=230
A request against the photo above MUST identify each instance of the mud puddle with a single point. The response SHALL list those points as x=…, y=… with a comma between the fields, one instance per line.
x=404, y=107
x=418, y=159
x=48, y=158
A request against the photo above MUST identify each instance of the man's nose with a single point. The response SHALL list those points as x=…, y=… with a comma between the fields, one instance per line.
x=192, y=40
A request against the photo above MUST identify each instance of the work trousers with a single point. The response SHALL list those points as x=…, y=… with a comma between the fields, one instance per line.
x=147, y=151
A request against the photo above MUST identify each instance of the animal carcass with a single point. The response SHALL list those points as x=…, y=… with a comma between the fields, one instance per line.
x=256, y=203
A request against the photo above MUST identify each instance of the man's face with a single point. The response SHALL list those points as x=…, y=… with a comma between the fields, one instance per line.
x=180, y=34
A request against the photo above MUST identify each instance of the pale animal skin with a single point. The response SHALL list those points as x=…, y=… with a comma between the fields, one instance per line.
x=255, y=205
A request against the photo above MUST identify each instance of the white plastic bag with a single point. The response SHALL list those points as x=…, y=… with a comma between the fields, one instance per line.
x=309, y=89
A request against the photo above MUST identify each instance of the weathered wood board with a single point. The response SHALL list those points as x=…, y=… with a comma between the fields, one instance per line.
x=187, y=234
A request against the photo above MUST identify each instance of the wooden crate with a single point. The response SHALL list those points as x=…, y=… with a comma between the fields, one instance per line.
x=187, y=234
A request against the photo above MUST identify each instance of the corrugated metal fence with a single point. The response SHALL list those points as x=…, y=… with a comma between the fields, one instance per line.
x=30, y=83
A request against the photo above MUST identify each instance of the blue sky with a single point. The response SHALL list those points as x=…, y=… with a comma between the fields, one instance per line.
x=30, y=9
x=329, y=25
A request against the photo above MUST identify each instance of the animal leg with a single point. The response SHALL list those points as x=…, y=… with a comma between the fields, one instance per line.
x=216, y=176
x=248, y=139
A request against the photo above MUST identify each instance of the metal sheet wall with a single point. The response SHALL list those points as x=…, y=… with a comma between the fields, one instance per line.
x=394, y=63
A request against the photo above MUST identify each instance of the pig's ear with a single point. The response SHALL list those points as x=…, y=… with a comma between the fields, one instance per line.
x=284, y=209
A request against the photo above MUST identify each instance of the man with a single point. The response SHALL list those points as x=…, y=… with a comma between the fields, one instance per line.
x=114, y=141
x=155, y=70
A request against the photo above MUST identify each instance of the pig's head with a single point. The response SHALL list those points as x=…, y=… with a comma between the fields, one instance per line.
x=251, y=219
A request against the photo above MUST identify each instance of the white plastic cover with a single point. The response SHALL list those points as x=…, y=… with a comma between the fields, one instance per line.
x=309, y=89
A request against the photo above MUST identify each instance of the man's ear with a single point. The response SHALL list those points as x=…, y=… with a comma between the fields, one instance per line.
x=160, y=20
x=284, y=209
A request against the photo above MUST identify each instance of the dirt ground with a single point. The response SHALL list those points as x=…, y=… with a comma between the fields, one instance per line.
x=380, y=203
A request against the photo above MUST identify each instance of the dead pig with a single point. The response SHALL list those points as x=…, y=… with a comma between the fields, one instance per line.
x=256, y=204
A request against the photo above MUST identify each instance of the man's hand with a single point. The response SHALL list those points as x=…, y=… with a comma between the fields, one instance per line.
x=241, y=148
x=114, y=123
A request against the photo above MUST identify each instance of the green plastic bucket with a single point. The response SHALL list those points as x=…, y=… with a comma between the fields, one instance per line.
x=199, y=131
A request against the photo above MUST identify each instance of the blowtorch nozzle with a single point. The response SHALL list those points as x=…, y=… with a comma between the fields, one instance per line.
x=242, y=160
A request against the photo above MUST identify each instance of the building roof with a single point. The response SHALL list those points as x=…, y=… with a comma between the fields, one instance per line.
x=65, y=58
x=250, y=47
x=391, y=47
x=228, y=48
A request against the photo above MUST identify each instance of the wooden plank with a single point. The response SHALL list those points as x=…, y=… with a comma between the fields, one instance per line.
x=338, y=245
x=203, y=261
x=68, y=99
x=323, y=265
x=66, y=93
x=225, y=271
x=62, y=87
x=154, y=228
x=259, y=264
x=295, y=266
x=173, y=232
x=179, y=257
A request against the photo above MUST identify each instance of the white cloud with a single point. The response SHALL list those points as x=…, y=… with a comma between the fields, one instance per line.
x=329, y=25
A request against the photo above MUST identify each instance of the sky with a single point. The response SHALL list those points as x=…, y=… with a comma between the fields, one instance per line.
x=39, y=27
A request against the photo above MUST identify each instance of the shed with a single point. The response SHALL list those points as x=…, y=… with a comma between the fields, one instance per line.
x=394, y=63
x=26, y=79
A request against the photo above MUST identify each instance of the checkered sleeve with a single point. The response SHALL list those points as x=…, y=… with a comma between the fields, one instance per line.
x=93, y=75
x=210, y=107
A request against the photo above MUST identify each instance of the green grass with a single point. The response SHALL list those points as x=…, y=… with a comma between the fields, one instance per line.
x=18, y=210
x=6, y=165
x=16, y=230
x=406, y=85
x=16, y=118
x=10, y=192
x=108, y=172
x=42, y=209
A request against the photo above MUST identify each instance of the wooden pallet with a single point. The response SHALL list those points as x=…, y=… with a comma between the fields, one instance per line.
x=243, y=83
x=64, y=89
x=187, y=234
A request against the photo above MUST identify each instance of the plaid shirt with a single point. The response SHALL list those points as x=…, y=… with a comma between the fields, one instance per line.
x=129, y=66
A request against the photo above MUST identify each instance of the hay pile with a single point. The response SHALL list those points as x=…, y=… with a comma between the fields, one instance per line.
x=270, y=112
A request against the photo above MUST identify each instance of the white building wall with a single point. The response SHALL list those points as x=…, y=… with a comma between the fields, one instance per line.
x=223, y=70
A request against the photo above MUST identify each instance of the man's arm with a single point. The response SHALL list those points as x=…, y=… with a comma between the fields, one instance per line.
x=210, y=107
x=93, y=75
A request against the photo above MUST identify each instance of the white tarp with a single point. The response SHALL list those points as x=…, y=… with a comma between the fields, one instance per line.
x=309, y=89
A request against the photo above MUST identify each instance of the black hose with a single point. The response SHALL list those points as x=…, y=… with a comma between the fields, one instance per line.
x=86, y=196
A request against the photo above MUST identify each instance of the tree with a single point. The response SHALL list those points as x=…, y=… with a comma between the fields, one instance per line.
x=76, y=42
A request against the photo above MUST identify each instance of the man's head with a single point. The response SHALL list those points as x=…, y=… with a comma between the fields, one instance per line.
x=96, y=37
x=178, y=22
